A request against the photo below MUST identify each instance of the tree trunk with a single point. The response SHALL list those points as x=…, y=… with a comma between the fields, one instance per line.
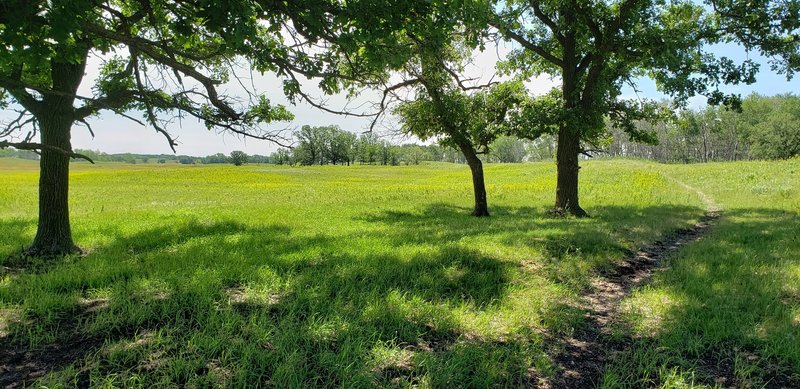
x=569, y=135
x=436, y=93
x=478, y=185
x=53, y=234
x=567, y=181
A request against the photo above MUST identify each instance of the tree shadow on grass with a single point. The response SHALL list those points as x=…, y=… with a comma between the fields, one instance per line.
x=569, y=250
x=229, y=303
x=733, y=312
x=13, y=239
x=447, y=223
x=179, y=280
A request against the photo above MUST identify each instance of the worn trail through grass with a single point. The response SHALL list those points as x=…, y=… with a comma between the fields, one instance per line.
x=590, y=348
x=367, y=277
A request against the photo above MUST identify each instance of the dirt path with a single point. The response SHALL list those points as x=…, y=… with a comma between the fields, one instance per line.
x=582, y=362
x=586, y=352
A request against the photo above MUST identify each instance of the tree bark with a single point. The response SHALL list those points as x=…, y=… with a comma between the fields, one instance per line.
x=569, y=134
x=478, y=185
x=53, y=234
x=567, y=176
x=569, y=140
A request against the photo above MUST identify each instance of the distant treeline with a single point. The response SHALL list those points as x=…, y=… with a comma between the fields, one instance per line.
x=331, y=145
x=766, y=128
x=99, y=156
x=22, y=154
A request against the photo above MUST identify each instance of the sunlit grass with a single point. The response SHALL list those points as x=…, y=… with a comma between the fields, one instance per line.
x=731, y=298
x=354, y=276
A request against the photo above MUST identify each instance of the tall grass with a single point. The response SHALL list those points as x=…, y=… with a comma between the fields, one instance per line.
x=727, y=312
x=357, y=276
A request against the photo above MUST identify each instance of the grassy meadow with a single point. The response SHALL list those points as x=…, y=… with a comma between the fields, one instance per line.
x=731, y=302
x=368, y=276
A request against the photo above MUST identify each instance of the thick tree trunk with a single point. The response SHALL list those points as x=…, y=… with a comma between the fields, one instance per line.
x=478, y=185
x=53, y=236
x=569, y=135
x=567, y=181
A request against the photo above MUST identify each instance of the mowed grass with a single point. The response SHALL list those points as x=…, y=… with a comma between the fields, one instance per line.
x=369, y=276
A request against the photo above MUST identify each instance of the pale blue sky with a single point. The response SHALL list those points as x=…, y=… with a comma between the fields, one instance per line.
x=115, y=134
x=768, y=82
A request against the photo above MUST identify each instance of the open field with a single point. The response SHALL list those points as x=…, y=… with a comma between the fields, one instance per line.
x=368, y=276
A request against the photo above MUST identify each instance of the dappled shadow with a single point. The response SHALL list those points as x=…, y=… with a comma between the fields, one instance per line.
x=447, y=223
x=269, y=304
x=733, y=317
x=173, y=235
x=175, y=279
x=570, y=249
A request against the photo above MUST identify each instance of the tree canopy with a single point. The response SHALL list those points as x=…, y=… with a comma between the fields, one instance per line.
x=160, y=58
x=768, y=27
x=166, y=61
x=163, y=61
x=479, y=118
x=599, y=47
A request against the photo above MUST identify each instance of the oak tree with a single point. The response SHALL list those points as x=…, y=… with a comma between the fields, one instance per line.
x=467, y=122
x=598, y=47
x=159, y=60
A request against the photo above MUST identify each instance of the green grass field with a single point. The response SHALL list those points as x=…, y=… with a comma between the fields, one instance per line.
x=369, y=276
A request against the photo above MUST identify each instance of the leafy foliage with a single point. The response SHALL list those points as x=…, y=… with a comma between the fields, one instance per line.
x=508, y=149
x=773, y=125
x=765, y=128
x=479, y=118
x=321, y=145
x=770, y=27
x=166, y=59
x=157, y=57
x=598, y=47
x=238, y=157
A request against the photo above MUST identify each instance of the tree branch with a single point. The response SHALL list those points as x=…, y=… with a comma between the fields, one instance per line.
x=151, y=116
x=537, y=11
x=144, y=46
x=39, y=146
x=528, y=44
x=386, y=92
x=14, y=85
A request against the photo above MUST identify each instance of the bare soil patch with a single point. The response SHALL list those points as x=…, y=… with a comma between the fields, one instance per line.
x=20, y=365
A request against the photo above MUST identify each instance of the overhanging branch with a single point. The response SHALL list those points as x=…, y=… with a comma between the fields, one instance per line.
x=14, y=85
x=39, y=146
x=527, y=44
